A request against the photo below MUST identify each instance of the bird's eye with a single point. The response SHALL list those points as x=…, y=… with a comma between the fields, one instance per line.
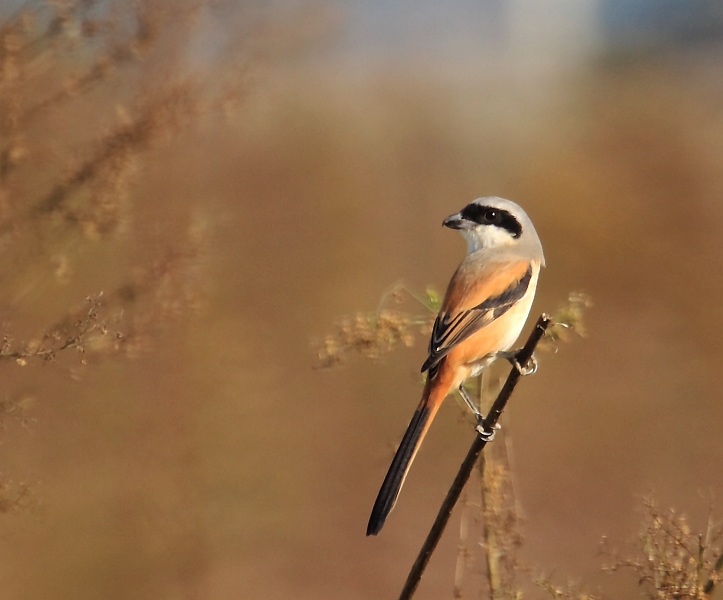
x=491, y=216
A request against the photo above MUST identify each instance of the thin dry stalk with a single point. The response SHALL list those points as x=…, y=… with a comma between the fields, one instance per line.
x=463, y=554
x=470, y=460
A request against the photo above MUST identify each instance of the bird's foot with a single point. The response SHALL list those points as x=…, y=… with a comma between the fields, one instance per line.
x=486, y=434
x=529, y=368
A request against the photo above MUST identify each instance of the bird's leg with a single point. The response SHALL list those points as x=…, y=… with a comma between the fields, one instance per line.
x=468, y=401
x=485, y=434
x=528, y=369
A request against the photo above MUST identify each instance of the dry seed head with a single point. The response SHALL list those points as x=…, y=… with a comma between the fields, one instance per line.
x=678, y=563
x=568, y=319
x=370, y=335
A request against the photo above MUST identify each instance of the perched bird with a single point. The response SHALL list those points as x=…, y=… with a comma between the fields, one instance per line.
x=484, y=310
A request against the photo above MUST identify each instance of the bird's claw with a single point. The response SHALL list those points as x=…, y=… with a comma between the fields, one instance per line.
x=530, y=368
x=486, y=434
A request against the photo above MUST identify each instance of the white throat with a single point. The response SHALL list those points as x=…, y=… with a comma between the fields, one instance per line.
x=486, y=236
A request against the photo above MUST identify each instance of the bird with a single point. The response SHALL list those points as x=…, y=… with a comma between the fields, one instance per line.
x=483, y=312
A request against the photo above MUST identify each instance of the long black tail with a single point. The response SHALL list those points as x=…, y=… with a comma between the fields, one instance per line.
x=389, y=491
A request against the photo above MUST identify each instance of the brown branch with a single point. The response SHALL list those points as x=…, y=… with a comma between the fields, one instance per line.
x=465, y=469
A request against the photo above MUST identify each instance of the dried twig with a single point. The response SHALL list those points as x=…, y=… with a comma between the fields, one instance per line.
x=470, y=460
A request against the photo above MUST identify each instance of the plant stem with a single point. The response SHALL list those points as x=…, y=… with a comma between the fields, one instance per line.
x=465, y=469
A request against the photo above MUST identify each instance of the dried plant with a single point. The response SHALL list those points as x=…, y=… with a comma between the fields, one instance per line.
x=68, y=174
x=58, y=58
x=490, y=531
x=572, y=590
x=568, y=320
x=372, y=335
x=501, y=536
x=76, y=331
x=90, y=92
x=672, y=561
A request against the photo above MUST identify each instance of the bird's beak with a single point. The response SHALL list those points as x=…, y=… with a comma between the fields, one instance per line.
x=456, y=221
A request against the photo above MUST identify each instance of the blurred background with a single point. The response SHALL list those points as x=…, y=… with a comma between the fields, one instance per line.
x=235, y=178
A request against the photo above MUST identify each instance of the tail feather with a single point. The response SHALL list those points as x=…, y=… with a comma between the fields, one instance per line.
x=394, y=479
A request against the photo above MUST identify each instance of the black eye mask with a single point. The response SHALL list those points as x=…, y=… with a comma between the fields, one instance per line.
x=489, y=215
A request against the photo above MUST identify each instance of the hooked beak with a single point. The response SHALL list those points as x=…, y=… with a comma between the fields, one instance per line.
x=456, y=221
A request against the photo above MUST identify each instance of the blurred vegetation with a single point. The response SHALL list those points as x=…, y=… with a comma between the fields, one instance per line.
x=191, y=190
x=91, y=93
x=86, y=91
